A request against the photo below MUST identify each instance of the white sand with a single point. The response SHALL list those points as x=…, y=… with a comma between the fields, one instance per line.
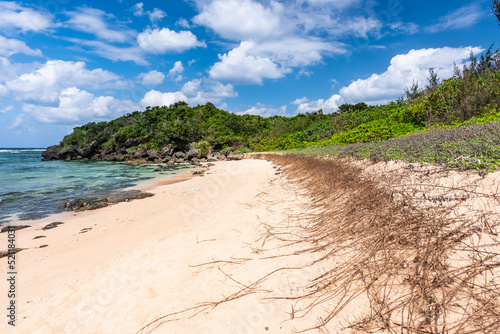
x=134, y=265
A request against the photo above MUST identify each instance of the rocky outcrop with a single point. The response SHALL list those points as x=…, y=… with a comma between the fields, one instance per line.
x=167, y=151
x=52, y=152
x=214, y=156
x=131, y=142
x=179, y=155
x=132, y=151
x=193, y=154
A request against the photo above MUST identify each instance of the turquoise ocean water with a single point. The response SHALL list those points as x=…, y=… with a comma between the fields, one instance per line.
x=33, y=189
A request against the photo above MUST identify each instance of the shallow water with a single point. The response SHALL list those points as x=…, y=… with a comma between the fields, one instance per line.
x=33, y=189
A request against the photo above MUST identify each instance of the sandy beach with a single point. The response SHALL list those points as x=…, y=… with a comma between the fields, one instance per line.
x=118, y=268
x=193, y=256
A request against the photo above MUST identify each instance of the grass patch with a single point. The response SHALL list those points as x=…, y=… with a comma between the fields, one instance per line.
x=475, y=146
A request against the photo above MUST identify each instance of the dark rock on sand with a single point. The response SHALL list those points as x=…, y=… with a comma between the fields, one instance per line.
x=51, y=225
x=85, y=203
x=92, y=203
x=13, y=228
x=10, y=252
x=125, y=196
x=43, y=246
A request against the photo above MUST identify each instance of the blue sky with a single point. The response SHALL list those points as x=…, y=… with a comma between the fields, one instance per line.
x=64, y=63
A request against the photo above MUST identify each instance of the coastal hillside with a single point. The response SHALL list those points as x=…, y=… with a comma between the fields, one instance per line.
x=179, y=133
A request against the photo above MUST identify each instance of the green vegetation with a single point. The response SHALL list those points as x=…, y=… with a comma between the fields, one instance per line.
x=208, y=126
x=467, y=147
x=444, y=120
x=454, y=122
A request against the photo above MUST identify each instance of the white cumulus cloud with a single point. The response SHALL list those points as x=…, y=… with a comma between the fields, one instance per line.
x=238, y=66
x=403, y=70
x=328, y=106
x=300, y=101
x=15, y=16
x=153, y=77
x=295, y=51
x=251, y=62
x=264, y=111
x=156, y=98
x=240, y=19
x=45, y=83
x=138, y=9
x=166, y=40
x=182, y=22
x=77, y=106
x=10, y=46
x=175, y=72
x=154, y=16
x=197, y=91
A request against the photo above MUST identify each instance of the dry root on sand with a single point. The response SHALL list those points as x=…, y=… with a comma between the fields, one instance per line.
x=423, y=264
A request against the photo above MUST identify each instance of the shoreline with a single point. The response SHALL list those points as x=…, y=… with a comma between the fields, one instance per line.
x=142, y=186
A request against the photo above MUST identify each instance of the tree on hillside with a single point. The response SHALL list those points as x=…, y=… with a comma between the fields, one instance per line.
x=352, y=107
x=495, y=7
x=414, y=91
x=433, y=79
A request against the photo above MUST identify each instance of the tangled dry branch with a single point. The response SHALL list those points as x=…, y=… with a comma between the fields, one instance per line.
x=424, y=264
